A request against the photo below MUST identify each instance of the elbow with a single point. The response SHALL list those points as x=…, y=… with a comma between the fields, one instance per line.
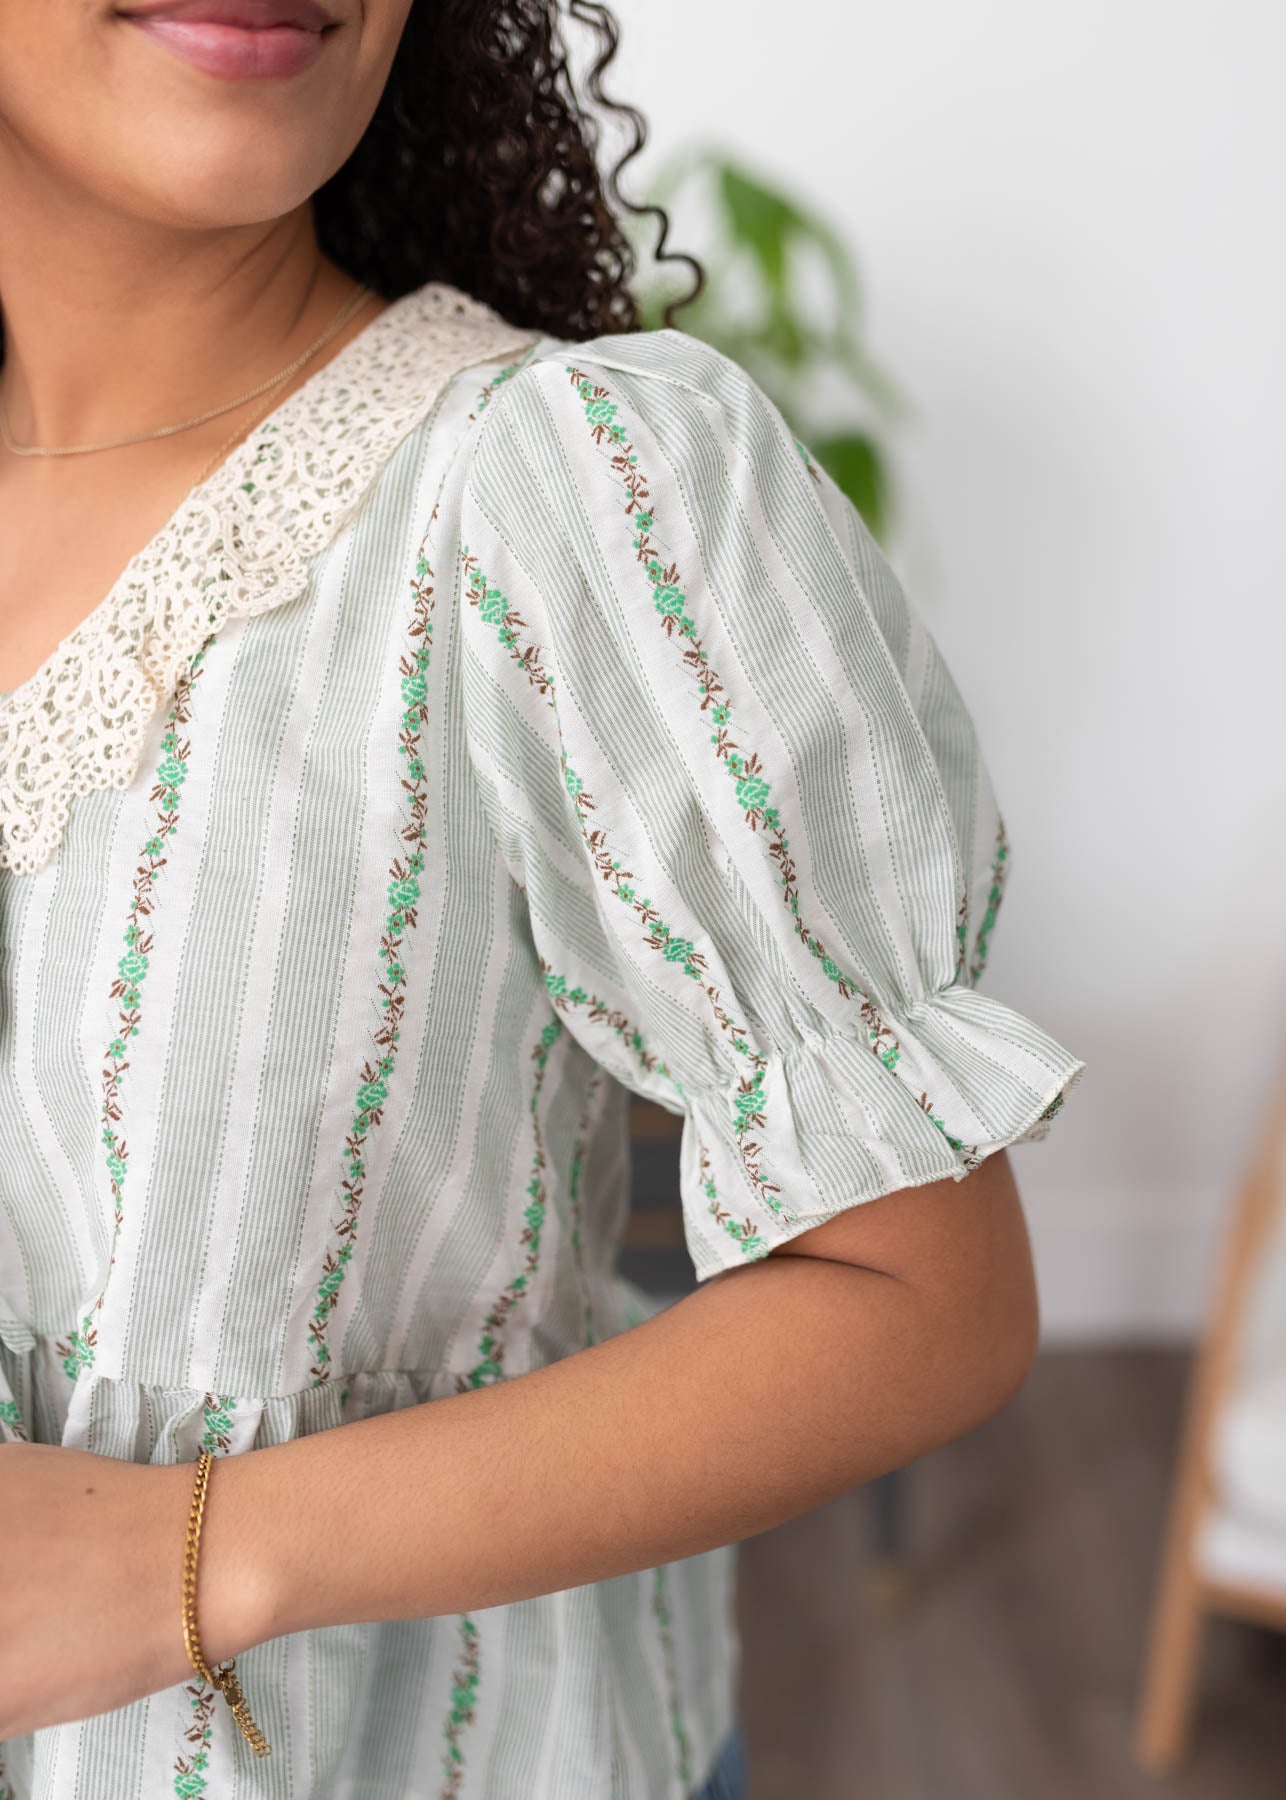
x=988, y=1304
x=1013, y=1358
x=995, y=1353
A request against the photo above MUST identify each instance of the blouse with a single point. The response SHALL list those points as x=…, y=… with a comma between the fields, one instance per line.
x=509, y=725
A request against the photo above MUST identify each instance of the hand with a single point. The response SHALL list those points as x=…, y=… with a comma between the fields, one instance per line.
x=93, y=1583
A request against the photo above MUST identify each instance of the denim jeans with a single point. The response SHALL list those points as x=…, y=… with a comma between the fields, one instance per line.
x=728, y=1777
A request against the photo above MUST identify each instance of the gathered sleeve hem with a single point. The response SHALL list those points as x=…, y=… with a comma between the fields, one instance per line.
x=837, y=1118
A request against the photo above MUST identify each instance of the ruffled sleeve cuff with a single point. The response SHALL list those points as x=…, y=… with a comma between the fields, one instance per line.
x=833, y=1119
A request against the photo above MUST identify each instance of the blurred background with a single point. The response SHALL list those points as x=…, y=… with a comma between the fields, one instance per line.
x=1018, y=274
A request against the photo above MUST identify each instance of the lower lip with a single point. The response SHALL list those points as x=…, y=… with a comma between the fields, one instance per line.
x=236, y=52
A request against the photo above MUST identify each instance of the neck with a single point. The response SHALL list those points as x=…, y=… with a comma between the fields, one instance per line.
x=115, y=325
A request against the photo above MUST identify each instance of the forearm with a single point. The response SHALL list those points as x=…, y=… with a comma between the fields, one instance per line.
x=764, y=1394
x=890, y=1328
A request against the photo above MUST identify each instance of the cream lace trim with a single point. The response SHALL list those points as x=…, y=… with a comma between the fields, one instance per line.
x=239, y=543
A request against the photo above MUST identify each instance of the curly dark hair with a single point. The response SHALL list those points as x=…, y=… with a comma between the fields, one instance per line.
x=479, y=168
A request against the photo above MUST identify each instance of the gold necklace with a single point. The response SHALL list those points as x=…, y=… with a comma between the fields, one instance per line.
x=337, y=323
x=247, y=426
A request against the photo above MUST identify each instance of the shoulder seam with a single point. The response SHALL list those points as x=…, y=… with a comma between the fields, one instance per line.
x=599, y=353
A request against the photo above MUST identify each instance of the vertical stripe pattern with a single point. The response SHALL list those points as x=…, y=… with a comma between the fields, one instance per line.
x=597, y=753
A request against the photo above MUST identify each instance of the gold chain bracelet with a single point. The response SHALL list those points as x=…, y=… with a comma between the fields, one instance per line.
x=224, y=1677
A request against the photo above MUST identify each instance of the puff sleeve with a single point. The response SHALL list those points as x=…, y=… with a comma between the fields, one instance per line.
x=759, y=850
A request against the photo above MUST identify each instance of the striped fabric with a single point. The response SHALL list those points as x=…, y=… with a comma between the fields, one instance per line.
x=601, y=753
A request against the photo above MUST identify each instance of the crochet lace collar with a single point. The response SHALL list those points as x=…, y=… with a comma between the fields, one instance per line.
x=240, y=542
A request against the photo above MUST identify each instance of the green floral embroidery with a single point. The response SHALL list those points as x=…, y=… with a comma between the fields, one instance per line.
x=741, y=1231
x=751, y=784
x=491, y=1345
x=216, y=1416
x=995, y=894
x=12, y=1419
x=592, y=1089
x=6, y=1792
x=664, y=1624
x=77, y=1351
x=495, y=609
x=190, y=1771
x=600, y=412
x=498, y=381
x=464, y=1698
x=599, y=1012
x=745, y=1235
x=402, y=895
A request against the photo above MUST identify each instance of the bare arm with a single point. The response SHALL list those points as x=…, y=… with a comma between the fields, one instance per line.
x=861, y=1344
x=866, y=1341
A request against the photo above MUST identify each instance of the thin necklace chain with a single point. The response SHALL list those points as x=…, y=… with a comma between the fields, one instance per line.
x=337, y=323
x=247, y=426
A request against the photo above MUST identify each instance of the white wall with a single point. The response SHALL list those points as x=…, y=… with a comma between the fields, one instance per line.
x=1070, y=221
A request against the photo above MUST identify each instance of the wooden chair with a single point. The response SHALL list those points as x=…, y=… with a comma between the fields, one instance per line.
x=1192, y=1584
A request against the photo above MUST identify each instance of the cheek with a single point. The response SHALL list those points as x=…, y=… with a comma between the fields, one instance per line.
x=89, y=99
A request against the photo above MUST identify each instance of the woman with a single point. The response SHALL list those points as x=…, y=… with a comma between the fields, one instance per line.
x=501, y=714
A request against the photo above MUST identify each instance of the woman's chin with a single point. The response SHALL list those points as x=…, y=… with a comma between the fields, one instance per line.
x=216, y=172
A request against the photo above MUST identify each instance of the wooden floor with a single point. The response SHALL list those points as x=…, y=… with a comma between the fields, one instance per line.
x=1011, y=1669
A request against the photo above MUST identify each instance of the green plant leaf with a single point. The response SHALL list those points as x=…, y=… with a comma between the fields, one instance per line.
x=757, y=309
x=760, y=220
x=854, y=461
